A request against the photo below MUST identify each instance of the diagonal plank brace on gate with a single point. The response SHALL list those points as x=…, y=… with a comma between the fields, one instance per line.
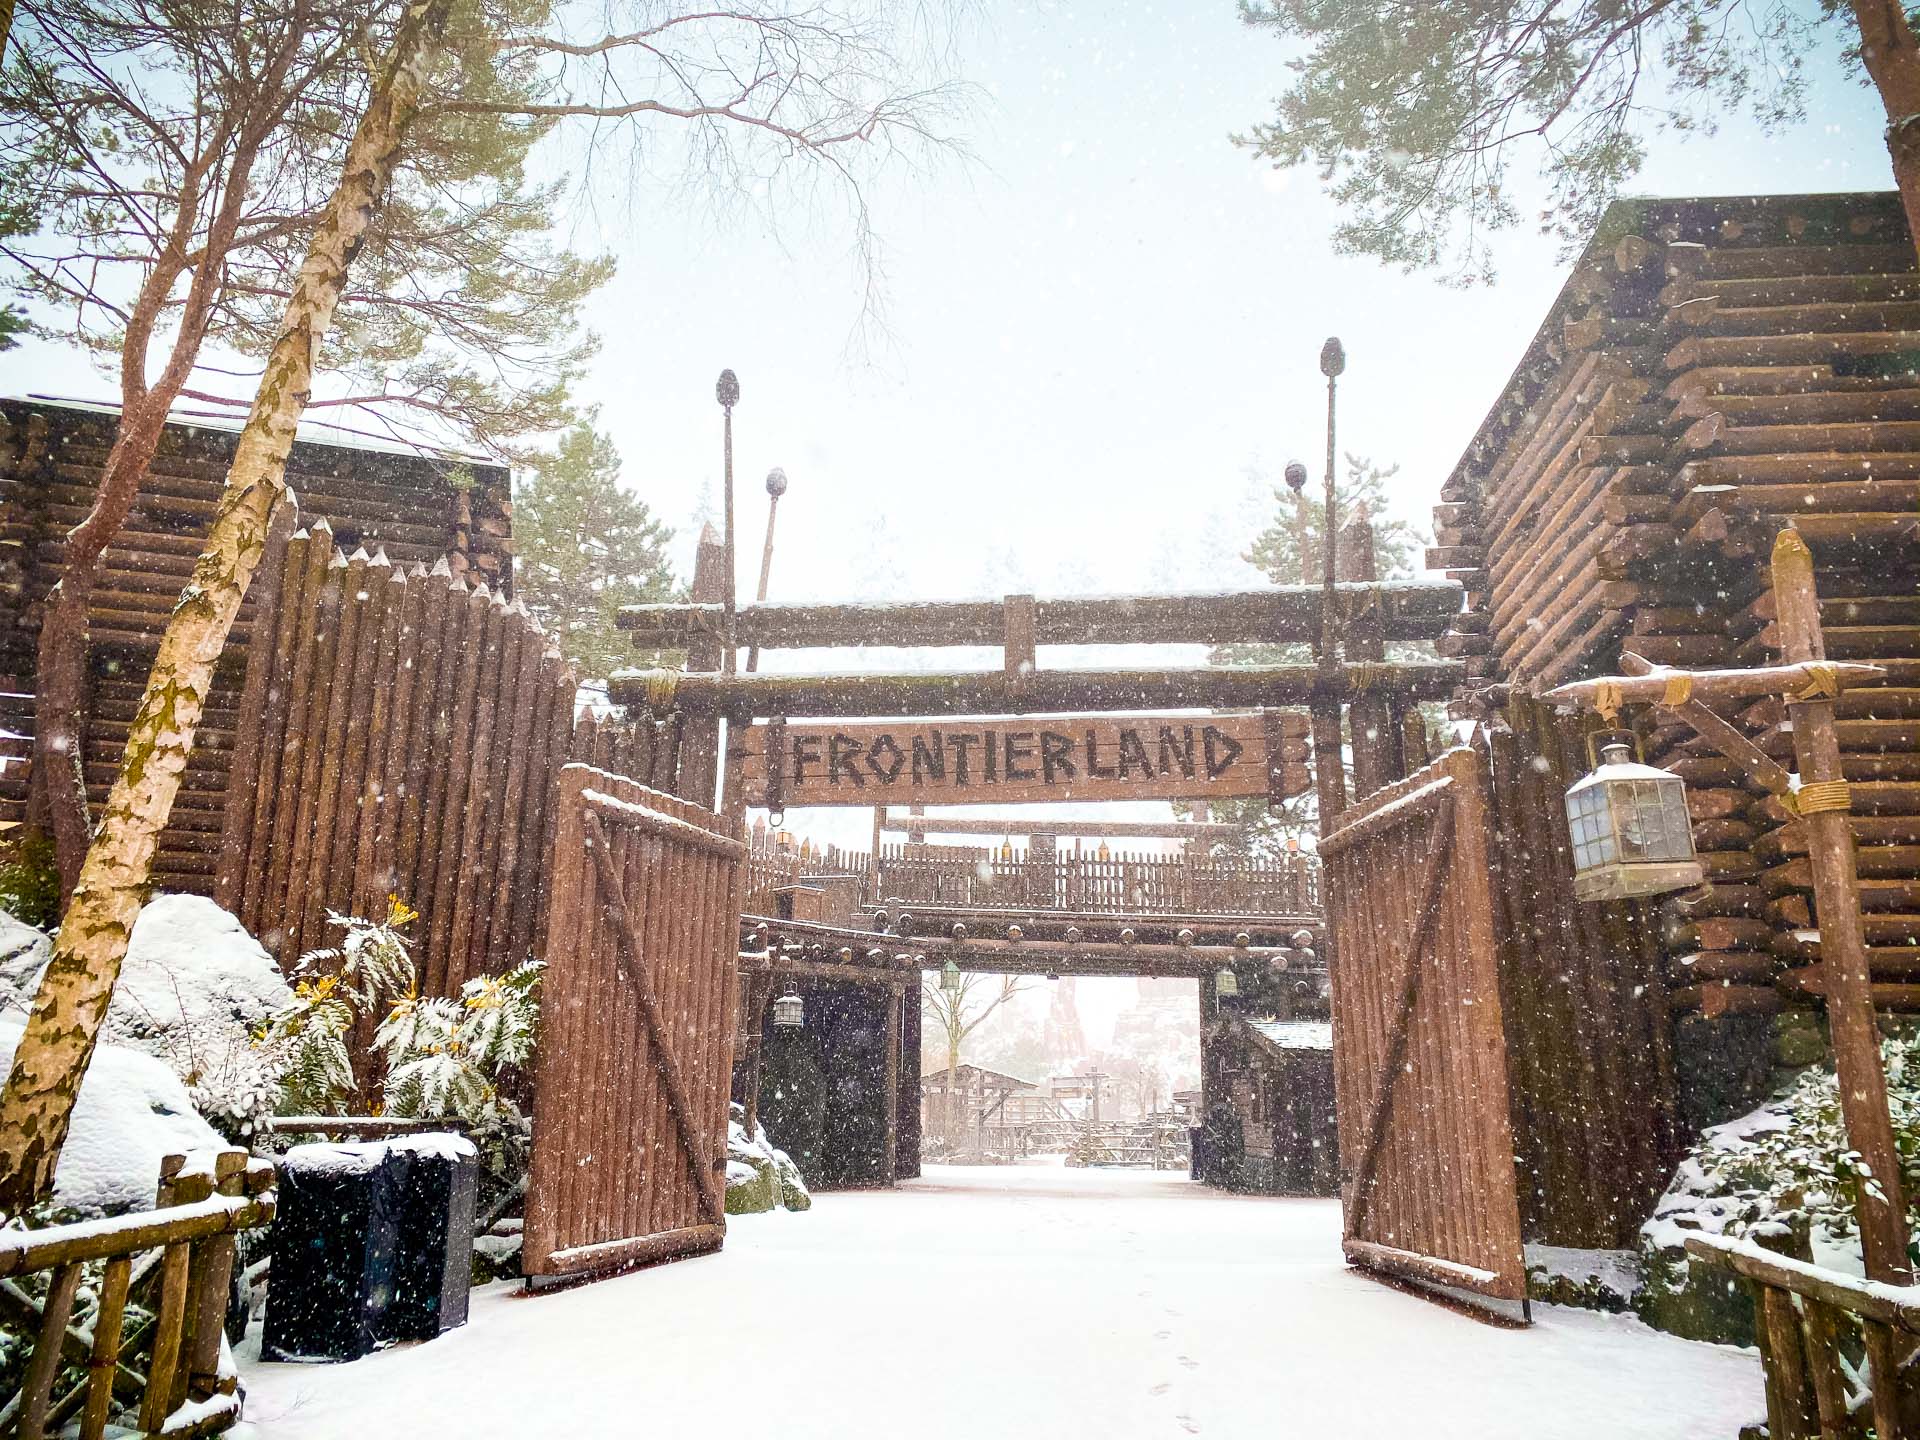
x=712, y=1204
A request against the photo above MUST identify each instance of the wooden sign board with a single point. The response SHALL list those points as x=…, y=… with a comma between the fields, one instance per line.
x=1089, y=757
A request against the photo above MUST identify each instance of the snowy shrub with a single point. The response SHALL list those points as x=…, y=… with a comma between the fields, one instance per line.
x=443, y=1057
x=1788, y=1165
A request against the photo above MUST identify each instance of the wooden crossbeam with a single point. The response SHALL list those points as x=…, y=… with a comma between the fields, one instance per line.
x=1407, y=995
x=614, y=897
x=1409, y=610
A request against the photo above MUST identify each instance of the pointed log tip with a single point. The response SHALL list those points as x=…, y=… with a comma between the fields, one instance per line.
x=322, y=528
x=338, y=560
x=1789, y=548
x=418, y=570
x=442, y=567
x=359, y=556
x=380, y=557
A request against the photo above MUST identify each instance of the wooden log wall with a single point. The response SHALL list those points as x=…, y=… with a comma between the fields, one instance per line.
x=417, y=509
x=1711, y=369
x=402, y=735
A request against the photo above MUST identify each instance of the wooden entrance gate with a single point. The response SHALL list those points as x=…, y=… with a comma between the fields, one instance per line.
x=1419, y=1046
x=631, y=1089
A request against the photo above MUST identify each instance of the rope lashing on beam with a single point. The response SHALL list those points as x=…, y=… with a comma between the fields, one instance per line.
x=661, y=687
x=1679, y=690
x=1821, y=795
x=1364, y=674
x=1822, y=682
x=1606, y=700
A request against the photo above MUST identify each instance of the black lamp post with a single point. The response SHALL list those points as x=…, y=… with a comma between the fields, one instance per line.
x=776, y=487
x=727, y=391
x=1297, y=483
x=1333, y=360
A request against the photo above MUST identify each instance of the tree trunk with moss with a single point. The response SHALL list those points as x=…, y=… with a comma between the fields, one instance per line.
x=52, y=1057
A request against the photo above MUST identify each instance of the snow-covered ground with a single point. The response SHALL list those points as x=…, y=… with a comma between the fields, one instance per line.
x=1015, y=1302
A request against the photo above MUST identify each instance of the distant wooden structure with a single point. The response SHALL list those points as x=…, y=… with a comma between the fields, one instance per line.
x=415, y=508
x=1277, y=1076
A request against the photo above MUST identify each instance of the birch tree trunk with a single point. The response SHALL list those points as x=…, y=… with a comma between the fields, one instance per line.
x=37, y=1103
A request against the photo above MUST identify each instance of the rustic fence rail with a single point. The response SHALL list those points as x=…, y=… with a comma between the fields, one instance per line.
x=1807, y=1318
x=188, y=1245
x=1121, y=883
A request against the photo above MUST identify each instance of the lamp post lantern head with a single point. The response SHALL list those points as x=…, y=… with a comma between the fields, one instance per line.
x=776, y=482
x=1296, y=476
x=950, y=981
x=727, y=389
x=789, y=1011
x=1630, y=830
x=1333, y=357
x=1226, y=984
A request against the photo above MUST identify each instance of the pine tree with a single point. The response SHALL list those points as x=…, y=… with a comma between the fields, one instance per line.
x=586, y=547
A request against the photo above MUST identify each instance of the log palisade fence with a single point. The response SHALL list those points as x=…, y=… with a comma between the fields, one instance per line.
x=401, y=733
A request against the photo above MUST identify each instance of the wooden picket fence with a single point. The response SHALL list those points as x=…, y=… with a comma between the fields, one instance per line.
x=401, y=734
x=1119, y=883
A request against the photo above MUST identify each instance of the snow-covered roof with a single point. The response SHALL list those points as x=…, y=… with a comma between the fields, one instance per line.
x=1295, y=1034
x=311, y=431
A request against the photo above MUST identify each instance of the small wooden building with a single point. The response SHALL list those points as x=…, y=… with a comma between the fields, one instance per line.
x=1712, y=369
x=1275, y=1133
x=414, y=506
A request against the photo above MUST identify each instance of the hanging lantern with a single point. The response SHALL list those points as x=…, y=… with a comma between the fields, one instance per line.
x=1631, y=834
x=1226, y=984
x=789, y=1011
x=950, y=980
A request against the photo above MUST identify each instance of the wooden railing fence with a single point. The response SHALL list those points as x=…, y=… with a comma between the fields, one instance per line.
x=1120, y=883
x=183, y=1253
x=1808, y=1319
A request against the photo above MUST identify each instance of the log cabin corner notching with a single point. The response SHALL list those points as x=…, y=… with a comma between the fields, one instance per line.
x=415, y=507
x=1712, y=369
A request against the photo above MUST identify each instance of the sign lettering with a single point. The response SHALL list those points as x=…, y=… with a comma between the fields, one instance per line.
x=1099, y=757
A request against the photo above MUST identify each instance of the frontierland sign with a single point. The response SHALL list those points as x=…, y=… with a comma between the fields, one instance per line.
x=1035, y=758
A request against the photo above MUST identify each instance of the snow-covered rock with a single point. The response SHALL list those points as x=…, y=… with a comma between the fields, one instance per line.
x=194, y=989
x=760, y=1177
x=132, y=1112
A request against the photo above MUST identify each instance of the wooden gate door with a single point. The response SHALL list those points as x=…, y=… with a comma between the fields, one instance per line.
x=1419, y=1049
x=636, y=1055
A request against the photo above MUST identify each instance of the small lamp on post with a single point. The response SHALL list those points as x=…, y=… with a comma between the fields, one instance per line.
x=1630, y=829
x=1226, y=984
x=789, y=1010
x=950, y=981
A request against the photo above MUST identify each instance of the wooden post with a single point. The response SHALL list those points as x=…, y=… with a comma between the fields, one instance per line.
x=1376, y=745
x=890, y=1158
x=1843, y=953
x=700, y=738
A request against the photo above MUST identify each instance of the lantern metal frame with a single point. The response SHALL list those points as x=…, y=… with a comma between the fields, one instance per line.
x=789, y=1009
x=1628, y=822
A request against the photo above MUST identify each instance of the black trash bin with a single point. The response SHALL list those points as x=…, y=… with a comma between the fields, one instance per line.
x=435, y=1266
x=335, y=1244
x=372, y=1243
